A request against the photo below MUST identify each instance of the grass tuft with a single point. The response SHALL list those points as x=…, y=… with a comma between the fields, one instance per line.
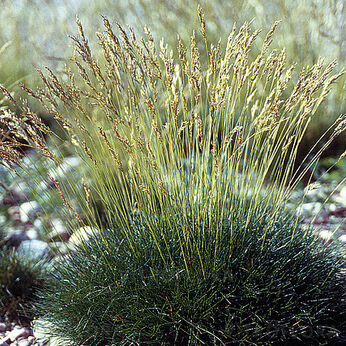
x=20, y=277
x=285, y=291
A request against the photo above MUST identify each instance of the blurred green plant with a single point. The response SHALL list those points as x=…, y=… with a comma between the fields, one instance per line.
x=332, y=169
x=20, y=278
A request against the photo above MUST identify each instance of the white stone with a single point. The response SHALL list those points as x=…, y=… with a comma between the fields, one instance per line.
x=26, y=342
x=69, y=163
x=326, y=235
x=32, y=234
x=341, y=197
x=81, y=235
x=42, y=332
x=16, y=333
x=331, y=207
x=38, y=224
x=311, y=208
x=35, y=249
x=59, y=231
x=342, y=238
x=312, y=190
x=58, y=225
x=29, y=210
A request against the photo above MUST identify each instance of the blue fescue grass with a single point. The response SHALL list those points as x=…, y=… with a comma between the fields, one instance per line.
x=283, y=290
x=192, y=158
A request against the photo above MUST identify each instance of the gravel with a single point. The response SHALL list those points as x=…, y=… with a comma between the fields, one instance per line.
x=16, y=335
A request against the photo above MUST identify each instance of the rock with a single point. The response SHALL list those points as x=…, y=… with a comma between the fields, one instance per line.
x=38, y=224
x=35, y=249
x=311, y=208
x=341, y=196
x=325, y=235
x=14, y=213
x=313, y=190
x=26, y=342
x=32, y=234
x=54, y=236
x=331, y=208
x=342, y=238
x=29, y=211
x=81, y=235
x=4, y=327
x=69, y=163
x=13, y=197
x=15, y=238
x=59, y=232
x=16, y=333
x=61, y=248
x=3, y=219
x=42, y=333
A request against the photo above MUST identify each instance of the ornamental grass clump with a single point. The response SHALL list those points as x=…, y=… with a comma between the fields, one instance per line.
x=281, y=289
x=190, y=161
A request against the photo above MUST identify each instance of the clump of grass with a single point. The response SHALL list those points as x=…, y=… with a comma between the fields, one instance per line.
x=193, y=161
x=20, y=277
x=282, y=289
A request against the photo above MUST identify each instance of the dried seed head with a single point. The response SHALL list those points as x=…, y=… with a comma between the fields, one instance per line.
x=60, y=192
x=269, y=38
x=202, y=21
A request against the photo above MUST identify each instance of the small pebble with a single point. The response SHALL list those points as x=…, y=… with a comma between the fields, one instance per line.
x=81, y=235
x=311, y=208
x=326, y=235
x=13, y=197
x=34, y=248
x=15, y=238
x=16, y=333
x=14, y=213
x=29, y=210
x=59, y=231
x=32, y=233
x=38, y=224
x=3, y=327
x=343, y=238
x=59, y=234
x=26, y=342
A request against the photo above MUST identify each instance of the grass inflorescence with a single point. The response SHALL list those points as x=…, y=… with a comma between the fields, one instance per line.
x=28, y=39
